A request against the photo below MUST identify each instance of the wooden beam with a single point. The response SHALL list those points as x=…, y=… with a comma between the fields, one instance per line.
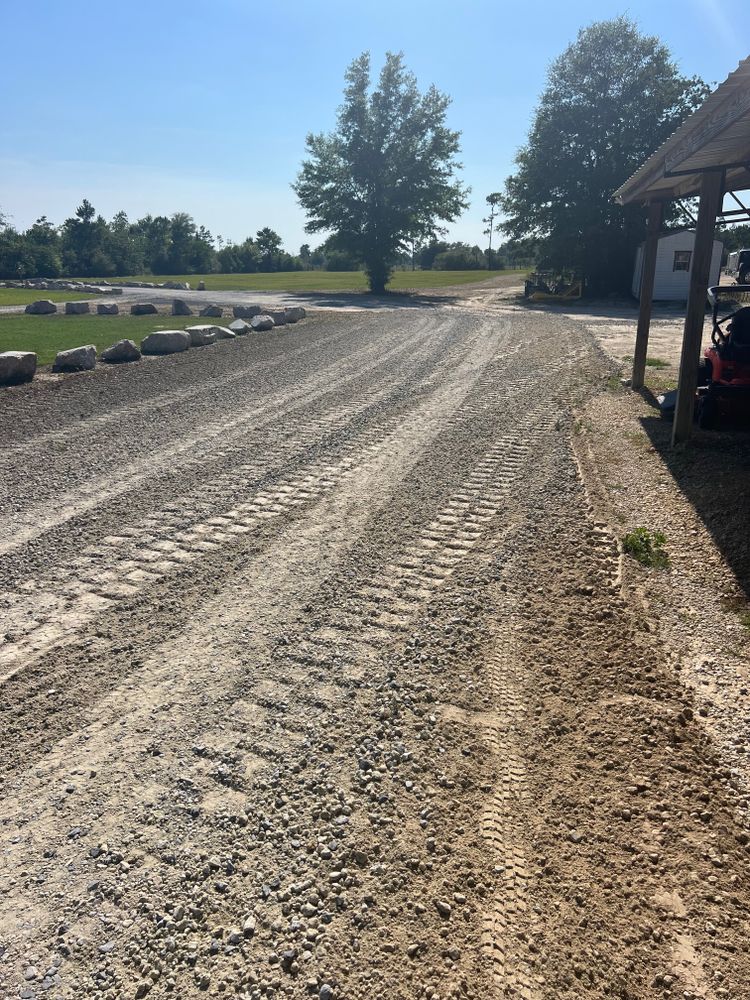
x=648, y=271
x=711, y=196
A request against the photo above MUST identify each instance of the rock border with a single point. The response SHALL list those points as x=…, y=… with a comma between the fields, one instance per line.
x=17, y=367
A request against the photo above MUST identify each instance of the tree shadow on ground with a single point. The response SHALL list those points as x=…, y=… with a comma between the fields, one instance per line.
x=713, y=473
x=391, y=300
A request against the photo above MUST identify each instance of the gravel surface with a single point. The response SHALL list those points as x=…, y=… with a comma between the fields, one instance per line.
x=318, y=679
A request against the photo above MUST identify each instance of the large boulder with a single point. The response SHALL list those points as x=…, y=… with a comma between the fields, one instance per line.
x=142, y=309
x=166, y=342
x=295, y=313
x=211, y=310
x=16, y=367
x=201, y=336
x=181, y=308
x=262, y=322
x=77, y=308
x=107, y=308
x=246, y=312
x=239, y=327
x=41, y=307
x=121, y=352
x=178, y=286
x=201, y=286
x=224, y=333
x=77, y=359
x=279, y=317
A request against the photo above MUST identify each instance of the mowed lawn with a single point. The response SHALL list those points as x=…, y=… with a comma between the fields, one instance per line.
x=46, y=335
x=319, y=281
x=22, y=296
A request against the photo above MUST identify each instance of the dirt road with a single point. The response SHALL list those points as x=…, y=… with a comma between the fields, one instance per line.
x=318, y=681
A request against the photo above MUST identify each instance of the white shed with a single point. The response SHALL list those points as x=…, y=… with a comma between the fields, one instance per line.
x=674, y=259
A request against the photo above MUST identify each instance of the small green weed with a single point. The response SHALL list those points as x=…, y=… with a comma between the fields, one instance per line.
x=657, y=363
x=745, y=620
x=646, y=547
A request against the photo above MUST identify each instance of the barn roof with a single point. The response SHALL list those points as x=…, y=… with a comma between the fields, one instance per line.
x=717, y=135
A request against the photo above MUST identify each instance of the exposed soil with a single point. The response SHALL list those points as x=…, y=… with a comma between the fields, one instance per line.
x=320, y=679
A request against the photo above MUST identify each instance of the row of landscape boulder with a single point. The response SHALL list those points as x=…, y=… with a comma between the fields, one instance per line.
x=46, y=307
x=20, y=366
x=53, y=285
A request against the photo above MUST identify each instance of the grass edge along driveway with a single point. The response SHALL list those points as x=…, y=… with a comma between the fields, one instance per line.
x=46, y=335
x=318, y=281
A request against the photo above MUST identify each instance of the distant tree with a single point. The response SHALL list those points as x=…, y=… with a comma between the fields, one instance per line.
x=460, y=257
x=268, y=243
x=385, y=176
x=44, y=247
x=305, y=254
x=125, y=245
x=16, y=258
x=339, y=260
x=181, y=244
x=735, y=238
x=203, y=257
x=611, y=99
x=84, y=243
x=493, y=200
x=427, y=254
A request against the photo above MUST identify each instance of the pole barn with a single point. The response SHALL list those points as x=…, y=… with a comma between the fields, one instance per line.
x=709, y=157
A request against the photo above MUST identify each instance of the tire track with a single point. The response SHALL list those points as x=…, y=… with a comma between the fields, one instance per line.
x=167, y=542
x=192, y=450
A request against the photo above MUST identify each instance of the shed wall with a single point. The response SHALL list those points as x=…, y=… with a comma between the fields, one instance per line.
x=671, y=285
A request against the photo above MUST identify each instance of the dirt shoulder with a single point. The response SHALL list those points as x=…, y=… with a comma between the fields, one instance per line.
x=698, y=608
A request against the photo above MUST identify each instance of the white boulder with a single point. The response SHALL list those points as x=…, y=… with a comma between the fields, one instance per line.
x=262, y=322
x=121, y=352
x=201, y=336
x=246, y=312
x=16, y=367
x=77, y=308
x=77, y=359
x=41, y=307
x=166, y=342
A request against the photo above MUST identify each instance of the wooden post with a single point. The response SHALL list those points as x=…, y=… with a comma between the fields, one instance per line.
x=648, y=270
x=711, y=197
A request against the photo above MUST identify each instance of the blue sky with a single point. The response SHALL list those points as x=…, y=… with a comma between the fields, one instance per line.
x=204, y=107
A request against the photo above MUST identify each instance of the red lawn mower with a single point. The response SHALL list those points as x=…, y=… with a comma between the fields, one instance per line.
x=724, y=371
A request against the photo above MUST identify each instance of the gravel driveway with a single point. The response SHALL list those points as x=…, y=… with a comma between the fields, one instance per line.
x=317, y=680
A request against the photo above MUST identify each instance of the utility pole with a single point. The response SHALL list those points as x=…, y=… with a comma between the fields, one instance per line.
x=492, y=200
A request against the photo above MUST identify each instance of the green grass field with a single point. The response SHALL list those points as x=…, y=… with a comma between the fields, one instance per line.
x=319, y=281
x=22, y=296
x=49, y=334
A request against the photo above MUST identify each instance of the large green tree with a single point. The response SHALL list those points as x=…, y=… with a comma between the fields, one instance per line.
x=384, y=177
x=611, y=99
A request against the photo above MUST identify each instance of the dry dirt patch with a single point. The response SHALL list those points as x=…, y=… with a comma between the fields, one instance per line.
x=699, y=608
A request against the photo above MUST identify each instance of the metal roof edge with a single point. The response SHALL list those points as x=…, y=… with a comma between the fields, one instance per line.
x=693, y=121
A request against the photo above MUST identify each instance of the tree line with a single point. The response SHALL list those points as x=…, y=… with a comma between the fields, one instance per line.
x=87, y=245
